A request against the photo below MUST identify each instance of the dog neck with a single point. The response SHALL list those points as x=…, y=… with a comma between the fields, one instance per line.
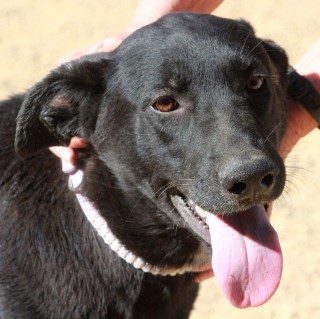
x=101, y=227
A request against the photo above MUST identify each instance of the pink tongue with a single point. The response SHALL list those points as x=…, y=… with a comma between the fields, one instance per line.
x=247, y=258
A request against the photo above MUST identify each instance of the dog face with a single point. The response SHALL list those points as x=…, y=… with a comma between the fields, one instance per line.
x=190, y=107
x=196, y=101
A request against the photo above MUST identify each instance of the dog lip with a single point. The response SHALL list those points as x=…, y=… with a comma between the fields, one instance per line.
x=194, y=216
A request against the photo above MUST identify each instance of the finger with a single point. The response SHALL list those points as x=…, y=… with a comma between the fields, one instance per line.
x=106, y=45
x=78, y=142
x=310, y=62
x=64, y=153
x=68, y=168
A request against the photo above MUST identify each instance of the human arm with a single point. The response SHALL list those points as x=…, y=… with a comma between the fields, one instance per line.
x=300, y=122
x=145, y=13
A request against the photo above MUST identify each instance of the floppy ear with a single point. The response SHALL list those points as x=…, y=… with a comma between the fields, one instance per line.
x=246, y=26
x=64, y=104
x=279, y=57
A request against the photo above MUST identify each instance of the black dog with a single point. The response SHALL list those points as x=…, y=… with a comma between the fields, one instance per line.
x=187, y=113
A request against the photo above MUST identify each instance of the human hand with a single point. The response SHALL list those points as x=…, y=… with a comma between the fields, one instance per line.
x=146, y=13
x=67, y=155
x=300, y=122
x=107, y=45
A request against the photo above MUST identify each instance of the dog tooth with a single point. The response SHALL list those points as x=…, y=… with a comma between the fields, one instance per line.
x=201, y=212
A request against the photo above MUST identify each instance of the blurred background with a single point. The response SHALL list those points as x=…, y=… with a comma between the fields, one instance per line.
x=36, y=34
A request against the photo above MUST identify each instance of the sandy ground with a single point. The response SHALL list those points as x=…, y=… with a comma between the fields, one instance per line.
x=35, y=34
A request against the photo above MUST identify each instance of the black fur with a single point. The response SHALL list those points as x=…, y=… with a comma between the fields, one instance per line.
x=52, y=262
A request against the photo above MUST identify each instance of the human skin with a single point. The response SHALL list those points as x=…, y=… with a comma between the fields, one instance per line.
x=145, y=13
x=300, y=122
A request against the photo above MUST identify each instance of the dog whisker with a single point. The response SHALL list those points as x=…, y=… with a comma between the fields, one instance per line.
x=292, y=184
x=176, y=225
x=272, y=131
x=127, y=220
x=244, y=43
x=164, y=189
x=167, y=186
x=299, y=168
x=286, y=196
x=110, y=187
x=254, y=47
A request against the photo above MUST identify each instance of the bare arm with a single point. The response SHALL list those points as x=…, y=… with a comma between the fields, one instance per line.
x=300, y=122
x=147, y=12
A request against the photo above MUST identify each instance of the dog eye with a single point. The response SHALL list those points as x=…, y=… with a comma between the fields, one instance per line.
x=255, y=83
x=165, y=104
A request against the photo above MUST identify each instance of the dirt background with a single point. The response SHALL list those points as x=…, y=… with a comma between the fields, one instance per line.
x=35, y=34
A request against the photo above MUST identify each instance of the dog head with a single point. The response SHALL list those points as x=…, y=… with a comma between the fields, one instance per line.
x=185, y=118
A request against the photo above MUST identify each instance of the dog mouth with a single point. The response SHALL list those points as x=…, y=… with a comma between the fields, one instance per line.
x=196, y=217
x=246, y=253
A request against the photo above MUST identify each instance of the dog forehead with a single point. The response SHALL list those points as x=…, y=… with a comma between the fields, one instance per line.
x=186, y=39
x=187, y=48
x=184, y=30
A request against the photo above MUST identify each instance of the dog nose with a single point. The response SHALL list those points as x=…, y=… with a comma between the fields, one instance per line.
x=249, y=179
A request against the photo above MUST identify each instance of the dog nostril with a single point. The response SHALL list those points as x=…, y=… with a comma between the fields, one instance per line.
x=237, y=188
x=267, y=181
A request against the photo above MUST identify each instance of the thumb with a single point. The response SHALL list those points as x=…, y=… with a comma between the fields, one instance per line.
x=107, y=45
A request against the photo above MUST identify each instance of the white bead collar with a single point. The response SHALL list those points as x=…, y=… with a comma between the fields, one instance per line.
x=102, y=228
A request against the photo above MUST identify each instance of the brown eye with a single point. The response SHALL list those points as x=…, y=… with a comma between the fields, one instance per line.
x=165, y=104
x=255, y=83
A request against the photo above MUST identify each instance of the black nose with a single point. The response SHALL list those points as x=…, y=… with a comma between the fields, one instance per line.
x=248, y=179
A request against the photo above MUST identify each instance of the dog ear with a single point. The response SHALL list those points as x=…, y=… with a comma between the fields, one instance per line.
x=279, y=57
x=64, y=104
x=246, y=26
